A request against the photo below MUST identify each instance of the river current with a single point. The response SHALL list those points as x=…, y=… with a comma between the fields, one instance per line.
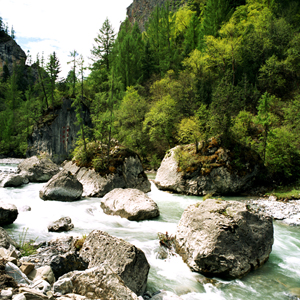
x=279, y=278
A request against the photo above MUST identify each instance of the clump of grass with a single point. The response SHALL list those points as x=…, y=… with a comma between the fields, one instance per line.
x=286, y=195
x=25, y=246
x=207, y=196
x=79, y=242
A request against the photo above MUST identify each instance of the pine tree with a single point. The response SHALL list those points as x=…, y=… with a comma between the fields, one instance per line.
x=73, y=55
x=78, y=107
x=53, y=68
x=104, y=44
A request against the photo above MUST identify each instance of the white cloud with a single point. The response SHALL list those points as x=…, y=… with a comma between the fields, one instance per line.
x=60, y=25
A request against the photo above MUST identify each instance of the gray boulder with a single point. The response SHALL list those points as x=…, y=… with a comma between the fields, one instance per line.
x=132, y=204
x=128, y=172
x=38, y=169
x=8, y=213
x=95, y=283
x=14, y=180
x=215, y=171
x=62, y=187
x=224, y=238
x=5, y=240
x=123, y=258
x=63, y=224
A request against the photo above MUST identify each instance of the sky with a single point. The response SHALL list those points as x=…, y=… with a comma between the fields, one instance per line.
x=61, y=25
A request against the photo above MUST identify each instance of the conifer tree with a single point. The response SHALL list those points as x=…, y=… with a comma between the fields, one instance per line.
x=73, y=55
x=104, y=44
x=53, y=68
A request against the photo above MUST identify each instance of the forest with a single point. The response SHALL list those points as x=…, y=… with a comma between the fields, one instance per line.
x=204, y=69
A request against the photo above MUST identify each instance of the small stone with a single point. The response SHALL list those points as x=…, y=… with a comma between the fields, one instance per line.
x=27, y=267
x=6, y=294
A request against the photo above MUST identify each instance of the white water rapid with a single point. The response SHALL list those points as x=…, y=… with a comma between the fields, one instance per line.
x=279, y=278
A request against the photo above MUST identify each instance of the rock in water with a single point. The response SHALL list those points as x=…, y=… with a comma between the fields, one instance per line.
x=123, y=258
x=63, y=224
x=14, y=180
x=62, y=187
x=132, y=204
x=224, y=238
x=214, y=170
x=38, y=170
x=8, y=213
x=125, y=171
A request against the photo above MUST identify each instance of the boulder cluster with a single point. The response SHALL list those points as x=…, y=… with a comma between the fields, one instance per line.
x=226, y=239
x=98, y=266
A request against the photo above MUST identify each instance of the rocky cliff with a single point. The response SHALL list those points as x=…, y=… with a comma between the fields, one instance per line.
x=10, y=52
x=140, y=10
x=55, y=135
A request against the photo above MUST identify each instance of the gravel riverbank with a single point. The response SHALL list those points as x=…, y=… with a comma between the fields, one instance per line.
x=287, y=212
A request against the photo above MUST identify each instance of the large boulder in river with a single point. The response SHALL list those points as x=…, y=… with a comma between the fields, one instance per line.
x=215, y=169
x=62, y=187
x=224, y=238
x=126, y=260
x=8, y=213
x=124, y=170
x=38, y=169
x=131, y=204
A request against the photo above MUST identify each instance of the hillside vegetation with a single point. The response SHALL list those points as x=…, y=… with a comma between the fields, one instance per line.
x=212, y=68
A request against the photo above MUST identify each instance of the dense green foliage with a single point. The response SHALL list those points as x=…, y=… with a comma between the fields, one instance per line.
x=209, y=68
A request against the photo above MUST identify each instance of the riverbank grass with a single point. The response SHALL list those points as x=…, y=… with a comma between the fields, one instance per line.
x=25, y=246
x=289, y=192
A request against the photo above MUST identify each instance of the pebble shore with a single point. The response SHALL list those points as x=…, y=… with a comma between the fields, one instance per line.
x=287, y=212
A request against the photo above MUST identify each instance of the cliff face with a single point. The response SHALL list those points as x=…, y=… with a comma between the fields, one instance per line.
x=140, y=10
x=10, y=52
x=56, y=134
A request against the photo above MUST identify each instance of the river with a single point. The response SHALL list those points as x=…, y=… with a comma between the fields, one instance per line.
x=279, y=278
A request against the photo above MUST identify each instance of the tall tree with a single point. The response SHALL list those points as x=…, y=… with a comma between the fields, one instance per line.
x=73, y=56
x=77, y=103
x=53, y=68
x=104, y=44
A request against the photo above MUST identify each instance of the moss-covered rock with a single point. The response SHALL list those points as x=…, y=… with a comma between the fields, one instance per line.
x=219, y=167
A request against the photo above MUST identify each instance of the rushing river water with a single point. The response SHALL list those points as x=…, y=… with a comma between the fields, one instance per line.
x=279, y=278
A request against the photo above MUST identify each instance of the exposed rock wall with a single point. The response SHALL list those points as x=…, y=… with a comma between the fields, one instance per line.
x=140, y=10
x=56, y=135
x=10, y=52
